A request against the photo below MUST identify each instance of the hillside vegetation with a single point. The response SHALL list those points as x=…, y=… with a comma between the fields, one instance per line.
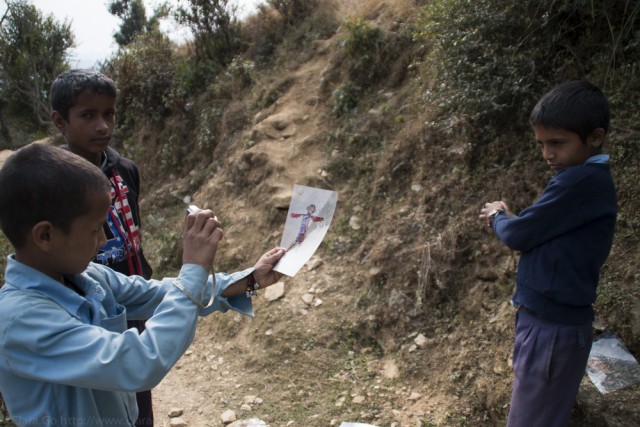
x=416, y=113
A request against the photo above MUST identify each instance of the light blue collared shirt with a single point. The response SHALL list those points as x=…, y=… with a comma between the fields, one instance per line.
x=67, y=359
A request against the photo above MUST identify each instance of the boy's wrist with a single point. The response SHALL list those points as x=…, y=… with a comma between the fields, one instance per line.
x=494, y=213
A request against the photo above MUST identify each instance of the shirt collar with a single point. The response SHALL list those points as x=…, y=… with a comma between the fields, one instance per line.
x=598, y=158
x=21, y=276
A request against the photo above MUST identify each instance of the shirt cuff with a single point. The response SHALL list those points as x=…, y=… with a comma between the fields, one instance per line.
x=239, y=303
x=193, y=278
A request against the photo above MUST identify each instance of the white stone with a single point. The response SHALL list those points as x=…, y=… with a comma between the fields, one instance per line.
x=358, y=399
x=175, y=412
x=307, y=298
x=421, y=341
x=354, y=223
x=228, y=417
x=177, y=422
x=274, y=292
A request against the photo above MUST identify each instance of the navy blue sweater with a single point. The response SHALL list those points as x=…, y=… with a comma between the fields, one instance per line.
x=564, y=239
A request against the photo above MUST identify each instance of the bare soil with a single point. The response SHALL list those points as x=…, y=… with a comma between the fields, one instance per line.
x=402, y=318
x=409, y=322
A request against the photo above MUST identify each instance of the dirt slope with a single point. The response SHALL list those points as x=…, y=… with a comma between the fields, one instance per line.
x=403, y=318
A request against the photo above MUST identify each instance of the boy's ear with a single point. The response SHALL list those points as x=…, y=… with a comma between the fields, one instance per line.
x=59, y=121
x=41, y=234
x=596, y=138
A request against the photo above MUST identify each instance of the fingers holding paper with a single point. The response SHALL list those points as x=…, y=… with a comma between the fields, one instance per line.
x=264, y=273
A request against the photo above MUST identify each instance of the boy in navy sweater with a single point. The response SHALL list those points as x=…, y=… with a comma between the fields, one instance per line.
x=564, y=239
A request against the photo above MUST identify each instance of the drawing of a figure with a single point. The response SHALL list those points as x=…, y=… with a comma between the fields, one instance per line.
x=307, y=219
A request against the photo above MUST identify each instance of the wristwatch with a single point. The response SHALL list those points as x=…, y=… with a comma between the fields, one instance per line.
x=494, y=213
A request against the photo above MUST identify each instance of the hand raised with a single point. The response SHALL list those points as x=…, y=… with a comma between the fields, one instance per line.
x=201, y=236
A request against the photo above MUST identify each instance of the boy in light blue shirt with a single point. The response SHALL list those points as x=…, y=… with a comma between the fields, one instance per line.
x=66, y=356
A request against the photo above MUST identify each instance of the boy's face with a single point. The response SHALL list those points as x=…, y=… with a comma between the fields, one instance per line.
x=90, y=125
x=562, y=148
x=70, y=253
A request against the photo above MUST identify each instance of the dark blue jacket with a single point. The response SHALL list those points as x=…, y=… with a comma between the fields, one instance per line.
x=564, y=239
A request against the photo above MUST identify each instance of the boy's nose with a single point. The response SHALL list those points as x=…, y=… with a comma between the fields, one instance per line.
x=102, y=126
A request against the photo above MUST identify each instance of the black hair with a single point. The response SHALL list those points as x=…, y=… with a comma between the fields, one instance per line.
x=41, y=182
x=577, y=106
x=69, y=85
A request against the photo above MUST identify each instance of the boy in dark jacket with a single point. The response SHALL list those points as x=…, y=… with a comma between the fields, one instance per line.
x=564, y=239
x=84, y=107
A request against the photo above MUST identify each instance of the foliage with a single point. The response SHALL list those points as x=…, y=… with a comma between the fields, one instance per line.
x=217, y=37
x=34, y=51
x=293, y=11
x=134, y=19
x=345, y=98
x=286, y=22
x=144, y=75
x=365, y=45
x=492, y=59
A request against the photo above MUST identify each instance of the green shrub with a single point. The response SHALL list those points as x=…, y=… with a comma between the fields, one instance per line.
x=365, y=47
x=345, y=99
x=144, y=73
x=217, y=36
x=493, y=59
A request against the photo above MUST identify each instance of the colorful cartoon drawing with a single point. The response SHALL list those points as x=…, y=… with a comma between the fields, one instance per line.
x=307, y=218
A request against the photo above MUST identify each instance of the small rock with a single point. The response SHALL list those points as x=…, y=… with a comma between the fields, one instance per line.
x=354, y=223
x=307, y=298
x=175, y=412
x=228, y=417
x=421, y=341
x=253, y=422
x=177, y=422
x=390, y=369
x=314, y=263
x=274, y=292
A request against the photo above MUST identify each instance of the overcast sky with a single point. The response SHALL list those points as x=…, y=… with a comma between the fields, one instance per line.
x=93, y=25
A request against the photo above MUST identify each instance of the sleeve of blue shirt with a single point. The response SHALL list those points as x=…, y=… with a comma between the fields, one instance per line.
x=73, y=352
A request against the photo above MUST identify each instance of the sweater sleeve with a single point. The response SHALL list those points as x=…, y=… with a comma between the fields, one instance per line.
x=566, y=204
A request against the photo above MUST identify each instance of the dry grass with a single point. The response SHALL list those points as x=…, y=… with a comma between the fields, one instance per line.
x=371, y=9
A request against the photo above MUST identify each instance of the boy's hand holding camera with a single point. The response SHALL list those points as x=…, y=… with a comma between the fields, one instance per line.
x=202, y=233
x=201, y=237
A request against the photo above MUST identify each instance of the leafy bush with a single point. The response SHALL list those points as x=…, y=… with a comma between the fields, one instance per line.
x=365, y=46
x=293, y=11
x=144, y=73
x=33, y=50
x=217, y=36
x=492, y=59
x=345, y=99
